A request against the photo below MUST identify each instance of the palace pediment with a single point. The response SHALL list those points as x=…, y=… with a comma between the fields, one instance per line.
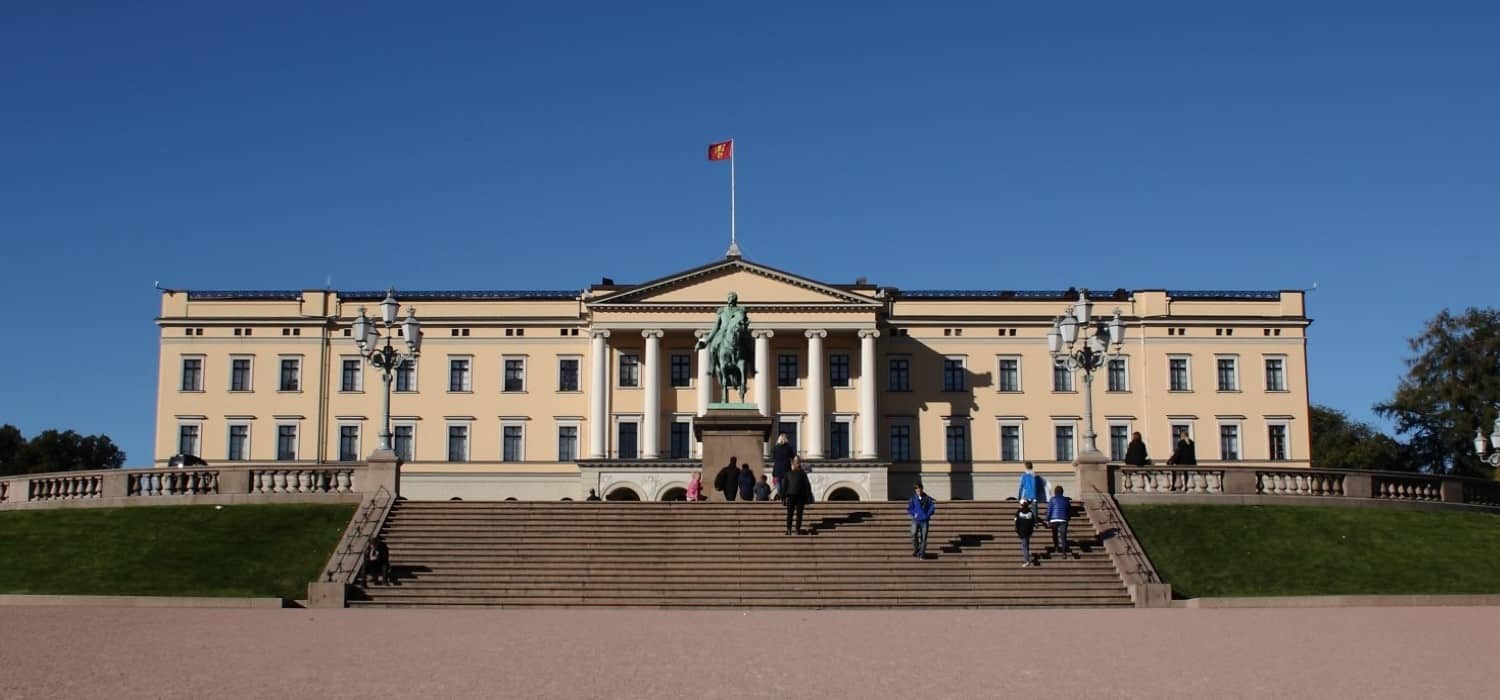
x=758, y=286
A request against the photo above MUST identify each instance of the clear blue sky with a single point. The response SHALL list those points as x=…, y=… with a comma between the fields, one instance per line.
x=490, y=145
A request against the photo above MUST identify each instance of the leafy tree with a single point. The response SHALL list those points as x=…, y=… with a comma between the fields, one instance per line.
x=56, y=451
x=1341, y=443
x=1449, y=391
x=12, y=444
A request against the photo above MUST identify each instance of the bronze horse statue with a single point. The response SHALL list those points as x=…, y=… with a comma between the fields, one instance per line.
x=730, y=349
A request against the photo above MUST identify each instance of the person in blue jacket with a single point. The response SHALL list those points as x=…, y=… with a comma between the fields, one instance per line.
x=1033, y=487
x=1059, y=511
x=920, y=508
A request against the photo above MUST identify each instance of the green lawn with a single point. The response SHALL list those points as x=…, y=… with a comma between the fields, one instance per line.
x=1209, y=551
x=250, y=550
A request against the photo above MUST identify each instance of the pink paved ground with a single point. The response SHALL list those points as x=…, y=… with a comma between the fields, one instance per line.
x=283, y=654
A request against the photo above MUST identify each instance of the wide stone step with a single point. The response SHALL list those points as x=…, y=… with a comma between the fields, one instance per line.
x=915, y=601
x=700, y=555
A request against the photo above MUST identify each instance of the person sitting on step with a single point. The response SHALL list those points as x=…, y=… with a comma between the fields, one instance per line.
x=377, y=561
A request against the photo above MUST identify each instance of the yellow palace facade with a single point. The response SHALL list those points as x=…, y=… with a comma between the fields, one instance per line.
x=544, y=395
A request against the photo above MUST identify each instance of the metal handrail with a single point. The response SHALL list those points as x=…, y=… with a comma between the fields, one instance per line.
x=1114, y=519
x=375, y=511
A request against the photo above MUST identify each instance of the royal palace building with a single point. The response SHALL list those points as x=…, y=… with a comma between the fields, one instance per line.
x=544, y=395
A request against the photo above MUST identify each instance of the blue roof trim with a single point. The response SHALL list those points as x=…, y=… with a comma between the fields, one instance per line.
x=471, y=294
x=276, y=294
x=292, y=295
x=1255, y=294
x=1070, y=294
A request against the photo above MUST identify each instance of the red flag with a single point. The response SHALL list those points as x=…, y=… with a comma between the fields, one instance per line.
x=721, y=151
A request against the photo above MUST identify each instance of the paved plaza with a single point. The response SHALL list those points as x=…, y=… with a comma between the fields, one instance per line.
x=53, y=652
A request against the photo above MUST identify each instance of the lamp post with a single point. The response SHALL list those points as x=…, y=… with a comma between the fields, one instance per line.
x=1493, y=448
x=387, y=358
x=1075, y=351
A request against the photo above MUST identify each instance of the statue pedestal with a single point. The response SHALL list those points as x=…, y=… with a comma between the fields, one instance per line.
x=739, y=433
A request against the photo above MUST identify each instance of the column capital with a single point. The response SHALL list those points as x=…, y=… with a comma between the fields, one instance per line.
x=599, y=333
x=652, y=333
x=815, y=334
x=762, y=333
x=869, y=333
x=700, y=334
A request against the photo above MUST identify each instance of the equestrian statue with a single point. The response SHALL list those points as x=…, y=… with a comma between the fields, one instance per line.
x=731, y=351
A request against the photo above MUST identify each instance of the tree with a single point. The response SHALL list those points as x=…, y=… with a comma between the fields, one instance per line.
x=12, y=444
x=1341, y=443
x=1449, y=391
x=56, y=451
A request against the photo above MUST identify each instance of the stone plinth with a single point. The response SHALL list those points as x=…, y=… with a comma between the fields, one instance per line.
x=740, y=433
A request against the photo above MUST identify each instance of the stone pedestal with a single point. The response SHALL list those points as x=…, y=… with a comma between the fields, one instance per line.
x=1093, y=473
x=739, y=433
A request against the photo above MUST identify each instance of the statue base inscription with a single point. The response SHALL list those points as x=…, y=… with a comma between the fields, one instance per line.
x=737, y=433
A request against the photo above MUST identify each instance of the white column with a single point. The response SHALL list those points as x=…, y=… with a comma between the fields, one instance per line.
x=598, y=387
x=867, y=380
x=705, y=383
x=765, y=374
x=813, y=431
x=651, y=424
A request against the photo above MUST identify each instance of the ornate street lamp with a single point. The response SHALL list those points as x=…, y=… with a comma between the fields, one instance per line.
x=1088, y=353
x=387, y=358
x=1493, y=458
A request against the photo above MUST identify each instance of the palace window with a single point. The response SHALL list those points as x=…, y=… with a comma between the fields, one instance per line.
x=567, y=443
x=957, y=435
x=900, y=374
x=1062, y=378
x=239, y=374
x=458, y=443
x=681, y=369
x=789, y=429
x=786, y=370
x=515, y=374
x=1119, y=441
x=1010, y=374
x=291, y=374
x=1229, y=379
x=680, y=442
x=630, y=370
x=1229, y=442
x=349, y=376
x=900, y=442
x=838, y=369
x=838, y=439
x=567, y=374
x=406, y=376
x=239, y=442
x=348, y=443
x=1010, y=442
x=187, y=439
x=1275, y=374
x=459, y=378
x=1277, y=435
x=404, y=437
x=286, y=443
x=511, y=448
x=1063, y=437
x=1119, y=378
x=628, y=444
x=953, y=374
x=1177, y=373
x=192, y=374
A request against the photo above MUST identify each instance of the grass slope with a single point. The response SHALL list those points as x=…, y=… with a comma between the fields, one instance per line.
x=1211, y=551
x=248, y=550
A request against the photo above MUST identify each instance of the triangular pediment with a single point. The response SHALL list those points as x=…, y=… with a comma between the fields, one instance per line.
x=756, y=285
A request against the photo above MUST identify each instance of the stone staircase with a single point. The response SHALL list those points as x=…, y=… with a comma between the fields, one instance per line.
x=704, y=555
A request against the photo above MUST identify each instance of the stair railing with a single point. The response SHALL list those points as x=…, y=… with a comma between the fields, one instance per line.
x=348, y=560
x=1134, y=564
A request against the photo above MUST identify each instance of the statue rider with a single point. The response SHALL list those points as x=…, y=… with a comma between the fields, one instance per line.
x=730, y=349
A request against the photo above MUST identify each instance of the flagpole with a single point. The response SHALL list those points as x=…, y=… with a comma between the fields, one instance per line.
x=734, y=246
